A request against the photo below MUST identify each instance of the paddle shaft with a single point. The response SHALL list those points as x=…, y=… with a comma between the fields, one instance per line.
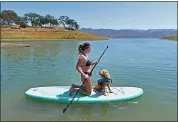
x=99, y=59
x=64, y=110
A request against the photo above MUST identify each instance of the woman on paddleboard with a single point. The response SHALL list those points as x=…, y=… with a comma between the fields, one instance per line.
x=83, y=66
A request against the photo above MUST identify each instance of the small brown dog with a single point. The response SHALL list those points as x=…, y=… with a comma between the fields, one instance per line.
x=104, y=81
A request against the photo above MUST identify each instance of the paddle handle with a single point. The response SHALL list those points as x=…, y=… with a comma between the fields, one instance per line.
x=99, y=59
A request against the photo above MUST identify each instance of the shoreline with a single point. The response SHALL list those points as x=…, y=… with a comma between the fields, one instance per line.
x=19, y=40
x=12, y=43
x=172, y=37
x=9, y=45
x=45, y=34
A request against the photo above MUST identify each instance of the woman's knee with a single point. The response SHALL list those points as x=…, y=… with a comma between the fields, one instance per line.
x=89, y=91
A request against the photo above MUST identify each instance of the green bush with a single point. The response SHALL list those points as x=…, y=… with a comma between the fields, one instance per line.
x=23, y=24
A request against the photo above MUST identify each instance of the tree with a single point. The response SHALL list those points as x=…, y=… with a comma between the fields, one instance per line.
x=33, y=18
x=23, y=24
x=76, y=26
x=63, y=20
x=72, y=24
x=19, y=20
x=8, y=17
x=54, y=22
x=48, y=18
x=1, y=18
x=43, y=21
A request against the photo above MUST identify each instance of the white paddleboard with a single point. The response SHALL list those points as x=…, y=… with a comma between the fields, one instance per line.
x=61, y=94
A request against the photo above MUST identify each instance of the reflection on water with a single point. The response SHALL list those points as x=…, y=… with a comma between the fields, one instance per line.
x=87, y=111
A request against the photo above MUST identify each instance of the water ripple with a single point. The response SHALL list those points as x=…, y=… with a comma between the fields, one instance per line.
x=152, y=67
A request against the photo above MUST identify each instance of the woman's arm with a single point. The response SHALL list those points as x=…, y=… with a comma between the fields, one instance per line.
x=94, y=63
x=78, y=66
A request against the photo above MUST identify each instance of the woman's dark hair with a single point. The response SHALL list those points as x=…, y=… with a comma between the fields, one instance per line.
x=83, y=47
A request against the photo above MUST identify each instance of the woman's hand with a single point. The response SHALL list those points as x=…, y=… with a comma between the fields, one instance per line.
x=95, y=63
x=86, y=77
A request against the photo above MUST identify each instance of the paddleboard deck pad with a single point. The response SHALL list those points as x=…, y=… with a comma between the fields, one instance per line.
x=61, y=94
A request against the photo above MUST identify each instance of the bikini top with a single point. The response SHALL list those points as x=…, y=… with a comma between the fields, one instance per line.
x=89, y=62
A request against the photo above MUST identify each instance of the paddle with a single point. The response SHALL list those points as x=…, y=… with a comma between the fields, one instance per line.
x=64, y=110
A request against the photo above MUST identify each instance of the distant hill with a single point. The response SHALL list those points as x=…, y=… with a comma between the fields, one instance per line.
x=131, y=33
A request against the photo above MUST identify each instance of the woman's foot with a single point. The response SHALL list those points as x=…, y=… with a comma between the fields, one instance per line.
x=73, y=85
x=71, y=91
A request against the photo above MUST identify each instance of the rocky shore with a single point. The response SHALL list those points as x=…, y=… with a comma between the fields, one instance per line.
x=5, y=45
x=10, y=45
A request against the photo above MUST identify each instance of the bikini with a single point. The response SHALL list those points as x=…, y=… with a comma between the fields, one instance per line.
x=88, y=63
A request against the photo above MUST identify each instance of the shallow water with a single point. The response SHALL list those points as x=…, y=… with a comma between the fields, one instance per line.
x=150, y=64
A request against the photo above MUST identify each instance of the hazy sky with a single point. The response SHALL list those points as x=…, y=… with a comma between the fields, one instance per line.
x=108, y=15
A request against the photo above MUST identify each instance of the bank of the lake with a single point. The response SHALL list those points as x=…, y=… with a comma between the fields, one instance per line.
x=173, y=37
x=45, y=33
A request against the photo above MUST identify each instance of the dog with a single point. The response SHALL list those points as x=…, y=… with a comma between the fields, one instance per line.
x=104, y=81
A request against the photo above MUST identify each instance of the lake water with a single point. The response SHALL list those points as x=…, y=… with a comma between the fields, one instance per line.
x=150, y=64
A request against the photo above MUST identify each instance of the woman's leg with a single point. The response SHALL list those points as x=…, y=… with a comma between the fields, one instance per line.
x=76, y=86
x=76, y=90
x=87, y=85
x=86, y=89
x=83, y=89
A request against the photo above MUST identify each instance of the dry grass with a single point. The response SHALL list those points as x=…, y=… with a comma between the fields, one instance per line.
x=46, y=33
x=173, y=37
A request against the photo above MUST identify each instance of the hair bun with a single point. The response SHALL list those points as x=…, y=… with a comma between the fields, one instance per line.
x=80, y=48
x=83, y=46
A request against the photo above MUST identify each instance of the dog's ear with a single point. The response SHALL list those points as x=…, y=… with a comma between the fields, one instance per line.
x=107, y=71
x=107, y=75
x=101, y=73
